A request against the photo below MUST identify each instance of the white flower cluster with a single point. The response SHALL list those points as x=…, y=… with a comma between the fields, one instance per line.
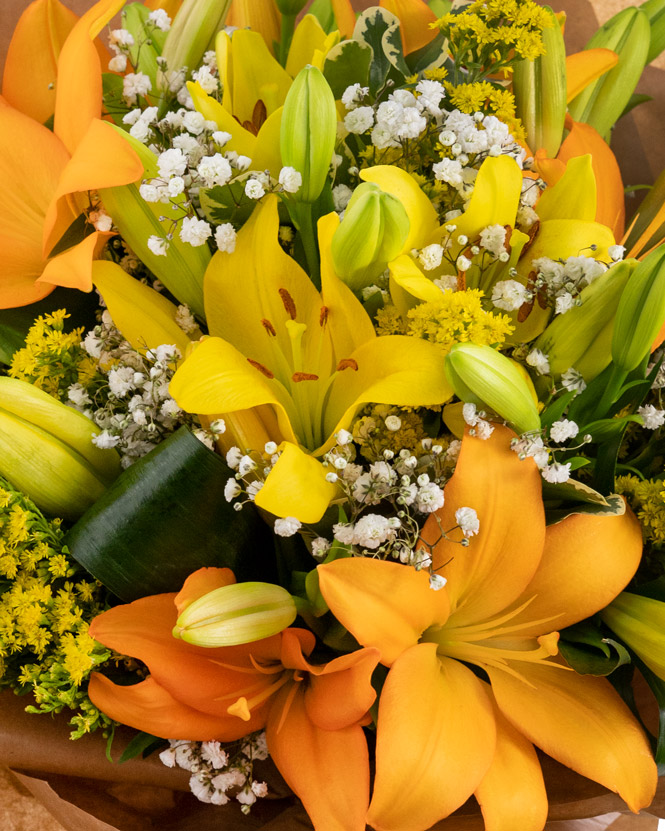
x=652, y=417
x=134, y=411
x=220, y=773
x=532, y=446
x=480, y=427
x=561, y=282
x=252, y=468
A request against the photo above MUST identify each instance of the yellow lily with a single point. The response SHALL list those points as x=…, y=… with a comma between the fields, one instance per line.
x=47, y=175
x=516, y=581
x=311, y=359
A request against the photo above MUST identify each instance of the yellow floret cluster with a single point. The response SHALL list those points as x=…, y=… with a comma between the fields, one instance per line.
x=488, y=99
x=647, y=498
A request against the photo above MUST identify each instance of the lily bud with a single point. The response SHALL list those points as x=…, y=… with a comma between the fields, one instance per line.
x=372, y=233
x=193, y=31
x=236, y=614
x=482, y=376
x=641, y=312
x=601, y=103
x=582, y=337
x=640, y=622
x=655, y=10
x=291, y=7
x=540, y=92
x=308, y=131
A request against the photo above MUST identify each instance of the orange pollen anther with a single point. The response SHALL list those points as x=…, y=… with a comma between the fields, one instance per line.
x=347, y=363
x=289, y=303
x=262, y=369
x=304, y=376
x=267, y=325
x=323, y=317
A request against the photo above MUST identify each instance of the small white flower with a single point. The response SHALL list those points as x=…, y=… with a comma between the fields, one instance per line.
x=429, y=498
x=121, y=38
x=493, y=238
x=194, y=123
x=233, y=457
x=344, y=533
x=359, y=120
x=225, y=237
x=290, y=179
x=353, y=95
x=564, y=303
x=194, y=231
x=447, y=138
x=158, y=245
x=448, y=170
x=206, y=79
x=287, y=527
x=539, y=361
x=467, y=519
x=243, y=162
x=104, y=440
x=463, y=263
x=221, y=138
x=160, y=19
x=437, y=582
x=171, y=162
x=393, y=423
x=372, y=530
x=149, y=193
x=563, y=430
x=616, y=252
x=653, y=418
x=169, y=409
x=573, y=381
x=431, y=256
x=270, y=448
x=320, y=548
x=246, y=465
x=213, y=753
x=260, y=789
x=135, y=85
x=470, y=415
x=556, y=473
x=254, y=189
x=509, y=295
x=343, y=437
x=101, y=220
x=118, y=63
x=483, y=429
x=253, y=488
x=214, y=170
x=341, y=196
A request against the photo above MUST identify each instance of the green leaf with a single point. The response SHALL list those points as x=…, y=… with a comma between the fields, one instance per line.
x=114, y=103
x=380, y=29
x=606, y=429
x=166, y=517
x=573, y=497
x=347, y=63
x=440, y=7
x=606, y=462
x=77, y=231
x=323, y=12
x=227, y=203
x=589, y=653
x=430, y=56
x=556, y=409
x=15, y=323
x=657, y=687
x=143, y=744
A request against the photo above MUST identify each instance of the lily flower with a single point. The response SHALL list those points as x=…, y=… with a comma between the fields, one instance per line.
x=312, y=359
x=312, y=713
x=47, y=175
x=516, y=582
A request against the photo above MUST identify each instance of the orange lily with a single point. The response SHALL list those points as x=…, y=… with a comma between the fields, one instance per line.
x=517, y=580
x=585, y=67
x=415, y=17
x=47, y=175
x=312, y=713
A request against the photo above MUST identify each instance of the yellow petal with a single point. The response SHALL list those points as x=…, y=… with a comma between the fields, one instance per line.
x=257, y=76
x=385, y=605
x=573, y=196
x=296, y=486
x=495, y=197
x=260, y=16
x=512, y=792
x=144, y=316
x=503, y=557
x=415, y=17
x=307, y=38
x=267, y=154
x=36, y=43
x=395, y=369
x=242, y=141
x=73, y=268
x=216, y=378
x=582, y=68
x=422, y=216
x=583, y=723
x=79, y=89
x=406, y=274
x=436, y=732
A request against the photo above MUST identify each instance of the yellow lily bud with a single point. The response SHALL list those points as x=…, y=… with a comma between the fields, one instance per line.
x=192, y=32
x=236, y=614
x=540, y=92
x=640, y=622
x=600, y=104
x=308, y=131
x=372, y=234
x=655, y=10
x=482, y=376
x=641, y=312
x=582, y=337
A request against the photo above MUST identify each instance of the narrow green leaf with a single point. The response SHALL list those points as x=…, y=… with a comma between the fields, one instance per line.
x=141, y=745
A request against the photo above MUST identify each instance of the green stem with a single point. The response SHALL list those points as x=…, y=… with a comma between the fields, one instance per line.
x=301, y=213
x=612, y=390
x=288, y=27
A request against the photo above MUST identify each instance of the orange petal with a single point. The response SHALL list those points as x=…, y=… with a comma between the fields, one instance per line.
x=73, y=268
x=584, y=139
x=550, y=170
x=584, y=67
x=36, y=43
x=79, y=91
x=384, y=605
x=583, y=723
x=260, y=16
x=171, y=7
x=345, y=17
x=208, y=680
x=435, y=741
x=501, y=560
x=512, y=793
x=327, y=769
x=31, y=160
x=149, y=707
x=102, y=159
x=201, y=582
x=586, y=563
x=415, y=17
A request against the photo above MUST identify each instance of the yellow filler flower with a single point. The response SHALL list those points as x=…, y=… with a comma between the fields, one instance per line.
x=309, y=359
x=506, y=592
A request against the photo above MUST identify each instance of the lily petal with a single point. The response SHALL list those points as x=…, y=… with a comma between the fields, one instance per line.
x=144, y=317
x=512, y=792
x=73, y=268
x=400, y=184
x=495, y=197
x=257, y=76
x=406, y=274
x=345, y=17
x=574, y=194
x=296, y=486
x=583, y=723
x=568, y=585
x=415, y=17
x=582, y=68
x=260, y=16
x=201, y=582
x=242, y=141
x=501, y=560
x=37, y=41
x=309, y=757
x=307, y=39
x=436, y=722
x=384, y=605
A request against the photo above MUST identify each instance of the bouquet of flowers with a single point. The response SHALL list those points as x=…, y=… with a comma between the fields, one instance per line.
x=331, y=410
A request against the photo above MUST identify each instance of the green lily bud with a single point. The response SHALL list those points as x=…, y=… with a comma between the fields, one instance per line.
x=308, y=131
x=540, y=91
x=291, y=6
x=655, y=9
x=582, y=337
x=236, y=614
x=601, y=103
x=482, y=376
x=641, y=312
x=193, y=31
x=640, y=622
x=372, y=233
